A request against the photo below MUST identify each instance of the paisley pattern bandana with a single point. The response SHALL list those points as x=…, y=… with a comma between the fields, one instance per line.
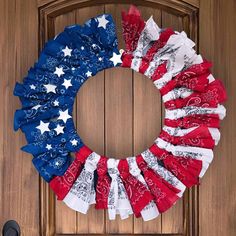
x=151, y=182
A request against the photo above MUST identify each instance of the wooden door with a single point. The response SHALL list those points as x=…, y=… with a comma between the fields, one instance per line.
x=113, y=117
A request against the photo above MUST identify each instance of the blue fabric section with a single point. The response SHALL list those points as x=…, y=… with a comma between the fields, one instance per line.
x=48, y=92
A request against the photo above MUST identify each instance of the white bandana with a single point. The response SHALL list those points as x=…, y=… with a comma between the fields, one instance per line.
x=150, y=211
x=162, y=172
x=192, y=110
x=118, y=202
x=82, y=194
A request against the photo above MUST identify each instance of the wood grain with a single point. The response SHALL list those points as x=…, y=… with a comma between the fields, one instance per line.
x=195, y=3
x=90, y=125
x=109, y=118
x=18, y=179
x=217, y=202
x=90, y=120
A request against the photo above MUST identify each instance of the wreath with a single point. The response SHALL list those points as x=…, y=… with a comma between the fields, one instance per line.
x=151, y=182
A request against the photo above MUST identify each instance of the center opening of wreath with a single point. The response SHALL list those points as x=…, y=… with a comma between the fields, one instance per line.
x=118, y=113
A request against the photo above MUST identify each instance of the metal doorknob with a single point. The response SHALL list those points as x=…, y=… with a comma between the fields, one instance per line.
x=11, y=228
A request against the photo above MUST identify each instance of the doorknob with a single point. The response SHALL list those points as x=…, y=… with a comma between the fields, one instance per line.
x=11, y=228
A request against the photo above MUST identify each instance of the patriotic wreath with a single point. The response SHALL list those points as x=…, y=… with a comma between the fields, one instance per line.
x=147, y=184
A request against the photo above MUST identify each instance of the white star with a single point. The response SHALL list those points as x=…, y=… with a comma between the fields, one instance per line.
x=74, y=142
x=88, y=73
x=100, y=59
x=50, y=88
x=49, y=146
x=64, y=115
x=59, y=71
x=56, y=103
x=36, y=107
x=32, y=86
x=82, y=48
x=57, y=163
x=116, y=58
x=67, y=51
x=59, y=129
x=43, y=127
x=73, y=68
x=94, y=45
x=102, y=21
x=67, y=83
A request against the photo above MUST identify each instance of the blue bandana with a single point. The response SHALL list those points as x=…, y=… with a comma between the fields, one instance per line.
x=48, y=91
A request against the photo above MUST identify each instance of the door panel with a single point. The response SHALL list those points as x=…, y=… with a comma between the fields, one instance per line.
x=90, y=125
x=17, y=193
x=118, y=113
x=217, y=198
x=147, y=110
x=65, y=217
x=118, y=116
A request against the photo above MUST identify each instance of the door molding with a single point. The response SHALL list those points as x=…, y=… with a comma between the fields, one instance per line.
x=49, y=10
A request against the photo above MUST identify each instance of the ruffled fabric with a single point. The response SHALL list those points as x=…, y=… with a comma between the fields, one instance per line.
x=192, y=98
x=158, y=168
x=165, y=195
x=186, y=169
x=194, y=77
x=211, y=120
x=150, y=211
x=61, y=185
x=194, y=110
x=195, y=136
x=213, y=94
x=82, y=194
x=133, y=25
x=48, y=91
x=118, y=201
x=154, y=180
x=139, y=195
x=203, y=154
x=103, y=184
